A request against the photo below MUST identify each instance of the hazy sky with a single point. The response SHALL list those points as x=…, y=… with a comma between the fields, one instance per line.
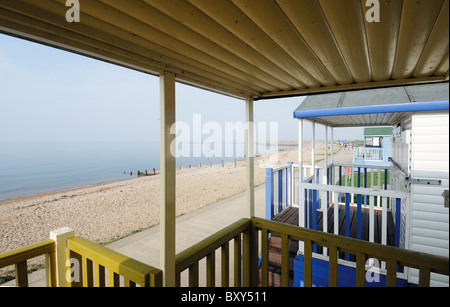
x=51, y=95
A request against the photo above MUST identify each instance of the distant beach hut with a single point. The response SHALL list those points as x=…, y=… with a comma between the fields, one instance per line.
x=377, y=147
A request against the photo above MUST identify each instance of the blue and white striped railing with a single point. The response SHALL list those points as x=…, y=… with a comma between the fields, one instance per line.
x=280, y=184
x=345, y=185
x=352, y=185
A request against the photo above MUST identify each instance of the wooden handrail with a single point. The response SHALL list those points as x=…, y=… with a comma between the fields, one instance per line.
x=426, y=263
x=189, y=258
x=19, y=258
x=88, y=253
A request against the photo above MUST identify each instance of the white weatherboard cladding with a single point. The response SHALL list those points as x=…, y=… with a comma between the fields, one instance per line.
x=430, y=160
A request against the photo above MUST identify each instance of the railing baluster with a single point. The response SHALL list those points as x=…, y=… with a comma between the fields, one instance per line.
x=360, y=269
x=333, y=267
x=77, y=281
x=372, y=220
x=21, y=274
x=308, y=263
x=88, y=274
x=193, y=275
x=264, y=258
x=280, y=191
x=225, y=265
x=100, y=275
x=385, y=179
x=398, y=208
x=336, y=213
x=211, y=269
x=359, y=217
x=391, y=273
x=113, y=279
x=379, y=181
x=284, y=260
x=237, y=261
x=424, y=277
x=384, y=221
x=324, y=216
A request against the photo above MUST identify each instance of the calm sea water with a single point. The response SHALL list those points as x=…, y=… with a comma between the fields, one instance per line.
x=33, y=168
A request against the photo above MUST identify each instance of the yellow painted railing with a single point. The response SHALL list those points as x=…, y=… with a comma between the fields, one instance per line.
x=95, y=265
x=190, y=258
x=426, y=263
x=255, y=242
x=90, y=261
x=19, y=258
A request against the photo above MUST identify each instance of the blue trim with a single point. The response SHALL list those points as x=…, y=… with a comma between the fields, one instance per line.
x=373, y=109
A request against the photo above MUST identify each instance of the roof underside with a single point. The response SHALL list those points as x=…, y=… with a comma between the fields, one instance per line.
x=375, y=107
x=256, y=48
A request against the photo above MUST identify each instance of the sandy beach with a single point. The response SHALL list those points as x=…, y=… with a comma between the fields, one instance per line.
x=106, y=212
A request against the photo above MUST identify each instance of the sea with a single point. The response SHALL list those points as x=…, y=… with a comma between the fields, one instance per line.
x=39, y=167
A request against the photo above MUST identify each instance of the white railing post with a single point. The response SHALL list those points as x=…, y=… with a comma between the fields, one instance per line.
x=60, y=237
x=301, y=201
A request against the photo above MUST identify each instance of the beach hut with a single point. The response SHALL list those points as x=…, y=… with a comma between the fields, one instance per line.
x=249, y=50
x=402, y=205
x=377, y=147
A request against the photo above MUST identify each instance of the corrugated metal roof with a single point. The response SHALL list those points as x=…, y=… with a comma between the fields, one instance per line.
x=376, y=107
x=251, y=48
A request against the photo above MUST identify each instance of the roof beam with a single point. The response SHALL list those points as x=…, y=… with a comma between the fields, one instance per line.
x=355, y=86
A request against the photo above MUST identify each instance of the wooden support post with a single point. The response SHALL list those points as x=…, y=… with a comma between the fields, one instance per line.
x=167, y=204
x=60, y=237
x=250, y=143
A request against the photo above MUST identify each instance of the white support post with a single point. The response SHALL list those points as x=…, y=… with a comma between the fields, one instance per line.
x=250, y=143
x=301, y=194
x=333, y=178
x=332, y=147
x=167, y=202
x=60, y=237
x=313, y=152
x=325, y=174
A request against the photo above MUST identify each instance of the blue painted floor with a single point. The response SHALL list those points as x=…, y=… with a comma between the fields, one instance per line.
x=346, y=275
